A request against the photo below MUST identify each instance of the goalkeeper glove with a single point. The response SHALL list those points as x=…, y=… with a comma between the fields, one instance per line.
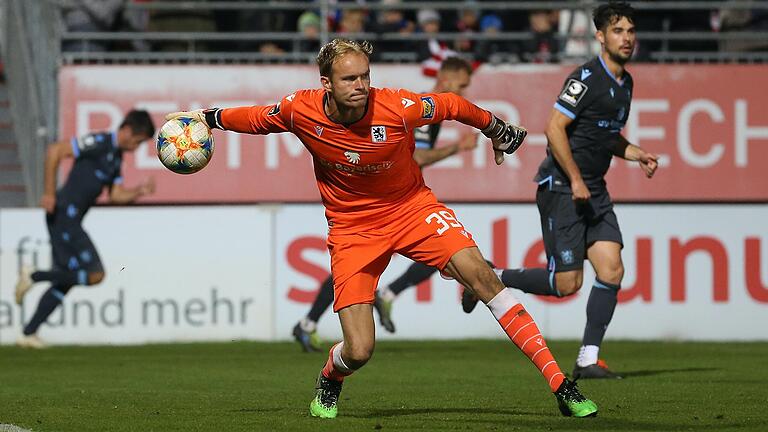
x=505, y=137
x=210, y=117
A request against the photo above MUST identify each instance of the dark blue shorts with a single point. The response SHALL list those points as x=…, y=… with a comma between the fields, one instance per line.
x=71, y=246
x=568, y=229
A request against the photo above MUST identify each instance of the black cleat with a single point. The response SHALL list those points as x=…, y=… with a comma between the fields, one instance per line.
x=468, y=301
x=572, y=403
x=309, y=342
x=594, y=371
x=384, y=309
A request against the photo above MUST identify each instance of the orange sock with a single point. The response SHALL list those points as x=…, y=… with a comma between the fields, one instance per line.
x=524, y=333
x=334, y=368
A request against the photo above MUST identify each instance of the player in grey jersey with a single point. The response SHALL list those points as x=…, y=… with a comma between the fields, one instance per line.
x=577, y=217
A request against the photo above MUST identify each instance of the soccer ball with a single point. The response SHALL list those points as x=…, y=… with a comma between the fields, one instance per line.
x=184, y=145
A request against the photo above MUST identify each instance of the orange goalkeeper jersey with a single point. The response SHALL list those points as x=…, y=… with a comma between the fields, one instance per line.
x=365, y=168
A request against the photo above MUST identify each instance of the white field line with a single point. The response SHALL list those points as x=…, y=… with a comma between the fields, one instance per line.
x=12, y=428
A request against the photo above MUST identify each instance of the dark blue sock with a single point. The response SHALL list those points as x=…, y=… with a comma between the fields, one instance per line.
x=62, y=277
x=322, y=301
x=600, y=307
x=416, y=274
x=48, y=303
x=533, y=281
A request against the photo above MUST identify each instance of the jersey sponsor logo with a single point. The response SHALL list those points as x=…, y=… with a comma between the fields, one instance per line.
x=407, y=102
x=428, y=107
x=351, y=170
x=275, y=110
x=585, y=73
x=378, y=133
x=319, y=130
x=573, y=92
x=352, y=157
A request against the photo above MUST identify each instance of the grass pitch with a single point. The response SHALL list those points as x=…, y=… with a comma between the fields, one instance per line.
x=435, y=385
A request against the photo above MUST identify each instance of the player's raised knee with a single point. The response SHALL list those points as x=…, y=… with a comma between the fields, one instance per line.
x=568, y=283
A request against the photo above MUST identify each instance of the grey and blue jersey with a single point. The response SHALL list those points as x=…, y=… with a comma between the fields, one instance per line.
x=426, y=136
x=97, y=164
x=598, y=103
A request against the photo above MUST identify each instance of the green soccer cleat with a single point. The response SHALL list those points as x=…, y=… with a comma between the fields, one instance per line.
x=572, y=403
x=384, y=309
x=326, y=396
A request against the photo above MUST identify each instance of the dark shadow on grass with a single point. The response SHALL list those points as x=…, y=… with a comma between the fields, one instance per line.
x=650, y=372
x=473, y=418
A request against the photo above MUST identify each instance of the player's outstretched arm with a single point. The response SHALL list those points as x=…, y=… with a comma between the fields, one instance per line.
x=257, y=119
x=434, y=108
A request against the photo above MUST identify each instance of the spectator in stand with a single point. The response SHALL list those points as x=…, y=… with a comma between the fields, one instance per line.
x=195, y=20
x=493, y=51
x=577, y=27
x=352, y=21
x=431, y=51
x=309, y=27
x=543, y=46
x=741, y=20
x=390, y=21
x=468, y=23
x=90, y=16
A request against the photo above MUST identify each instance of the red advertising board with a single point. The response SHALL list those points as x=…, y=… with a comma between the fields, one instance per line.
x=708, y=122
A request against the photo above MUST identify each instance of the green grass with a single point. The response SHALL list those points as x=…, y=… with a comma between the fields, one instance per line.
x=435, y=385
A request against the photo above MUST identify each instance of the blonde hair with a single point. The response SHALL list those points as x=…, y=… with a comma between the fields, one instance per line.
x=336, y=48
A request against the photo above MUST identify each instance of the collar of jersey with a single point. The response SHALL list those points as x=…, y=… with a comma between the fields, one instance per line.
x=608, y=71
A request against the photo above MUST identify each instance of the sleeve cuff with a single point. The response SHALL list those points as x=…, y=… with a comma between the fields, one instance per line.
x=75, y=147
x=565, y=111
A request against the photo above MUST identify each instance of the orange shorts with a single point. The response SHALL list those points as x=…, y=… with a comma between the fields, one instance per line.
x=421, y=229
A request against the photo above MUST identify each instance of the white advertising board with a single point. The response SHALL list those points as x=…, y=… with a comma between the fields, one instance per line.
x=694, y=272
x=172, y=274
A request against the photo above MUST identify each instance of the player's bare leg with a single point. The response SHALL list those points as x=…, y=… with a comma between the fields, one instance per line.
x=605, y=257
x=344, y=358
x=470, y=269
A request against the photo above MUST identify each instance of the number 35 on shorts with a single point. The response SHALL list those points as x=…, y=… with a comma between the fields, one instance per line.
x=444, y=220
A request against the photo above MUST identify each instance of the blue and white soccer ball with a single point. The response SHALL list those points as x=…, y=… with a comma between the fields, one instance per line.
x=184, y=145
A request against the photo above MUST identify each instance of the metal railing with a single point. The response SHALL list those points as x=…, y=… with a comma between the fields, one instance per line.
x=192, y=42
